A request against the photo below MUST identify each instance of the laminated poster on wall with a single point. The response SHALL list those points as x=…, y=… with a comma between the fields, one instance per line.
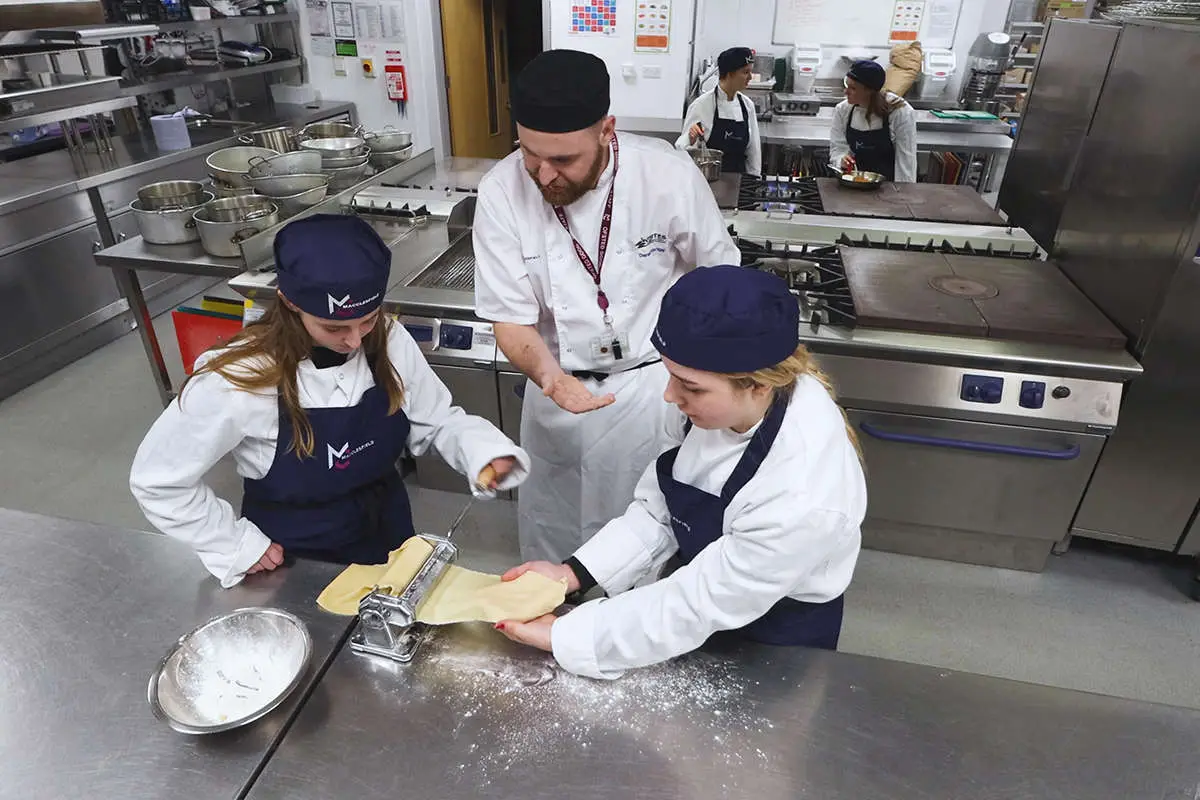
x=907, y=16
x=652, y=26
x=318, y=17
x=343, y=20
x=593, y=18
x=322, y=46
x=368, y=18
x=392, y=12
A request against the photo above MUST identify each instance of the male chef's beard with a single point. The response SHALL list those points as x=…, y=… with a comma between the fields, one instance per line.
x=562, y=192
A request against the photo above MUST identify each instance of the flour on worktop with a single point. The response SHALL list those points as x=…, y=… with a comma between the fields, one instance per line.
x=546, y=709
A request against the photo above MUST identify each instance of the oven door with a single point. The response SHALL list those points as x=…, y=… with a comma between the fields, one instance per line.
x=971, y=491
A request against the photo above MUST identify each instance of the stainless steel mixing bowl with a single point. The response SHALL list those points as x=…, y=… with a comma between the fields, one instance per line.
x=230, y=671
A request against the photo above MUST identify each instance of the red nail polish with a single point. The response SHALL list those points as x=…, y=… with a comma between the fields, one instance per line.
x=499, y=626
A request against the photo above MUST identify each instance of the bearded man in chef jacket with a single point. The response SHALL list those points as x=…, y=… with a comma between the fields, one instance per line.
x=577, y=236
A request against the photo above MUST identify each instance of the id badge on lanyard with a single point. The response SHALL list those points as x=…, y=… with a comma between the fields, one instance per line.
x=611, y=343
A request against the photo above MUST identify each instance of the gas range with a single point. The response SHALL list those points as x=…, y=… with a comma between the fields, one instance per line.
x=780, y=193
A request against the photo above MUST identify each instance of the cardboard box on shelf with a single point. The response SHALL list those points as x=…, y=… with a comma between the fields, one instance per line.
x=1016, y=75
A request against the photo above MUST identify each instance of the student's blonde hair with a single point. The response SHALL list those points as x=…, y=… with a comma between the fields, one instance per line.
x=781, y=380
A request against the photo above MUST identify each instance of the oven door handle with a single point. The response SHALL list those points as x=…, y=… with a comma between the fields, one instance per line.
x=1067, y=454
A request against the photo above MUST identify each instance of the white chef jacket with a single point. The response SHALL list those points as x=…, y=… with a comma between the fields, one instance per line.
x=215, y=418
x=701, y=111
x=902, y=123
x=792, y=531
x=665, y=222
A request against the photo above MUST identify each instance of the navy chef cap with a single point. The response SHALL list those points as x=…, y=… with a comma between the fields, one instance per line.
x=734, y=59
x=869, y=73
x=333, y=266
x=560, y=91
x=728, y=319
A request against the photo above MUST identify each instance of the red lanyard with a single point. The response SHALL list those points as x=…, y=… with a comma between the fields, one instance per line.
x=594, y=268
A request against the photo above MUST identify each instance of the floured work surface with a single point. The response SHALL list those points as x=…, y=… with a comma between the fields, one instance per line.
x=460, y=595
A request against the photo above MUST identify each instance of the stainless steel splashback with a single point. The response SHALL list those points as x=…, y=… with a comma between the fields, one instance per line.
x=1054, y=125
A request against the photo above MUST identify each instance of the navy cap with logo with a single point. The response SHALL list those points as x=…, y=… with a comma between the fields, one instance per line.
x=734, y=59
x=728, y=319
x=332, y=266
x=870, y=74
x=561, y=91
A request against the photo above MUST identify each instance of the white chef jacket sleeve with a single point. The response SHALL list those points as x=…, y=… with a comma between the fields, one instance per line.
x=167, y=477
x=839, y=148
x=700, y=111
x=503, y=292
x=697, y=229
x=466, y=443
x=768, y=550
x=635, y=543
x=902, y=122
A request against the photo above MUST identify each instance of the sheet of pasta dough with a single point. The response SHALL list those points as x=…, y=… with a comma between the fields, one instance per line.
x=462, y=595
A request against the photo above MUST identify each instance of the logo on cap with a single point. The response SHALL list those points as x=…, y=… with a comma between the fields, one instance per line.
x=345, y=308
x=658, y=338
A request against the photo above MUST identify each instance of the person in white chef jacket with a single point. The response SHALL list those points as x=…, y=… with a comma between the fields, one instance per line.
x=316, y=402
x=873, y=130
x=725, y=118
x=577, y=236
x=761, y=504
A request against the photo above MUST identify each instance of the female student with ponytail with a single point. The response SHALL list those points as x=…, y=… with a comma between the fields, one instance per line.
x=761, y=504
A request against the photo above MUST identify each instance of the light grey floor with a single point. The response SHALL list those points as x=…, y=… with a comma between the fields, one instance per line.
x=1099, y=619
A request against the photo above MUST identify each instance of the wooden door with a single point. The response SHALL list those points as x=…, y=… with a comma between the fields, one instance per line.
x=475, y=41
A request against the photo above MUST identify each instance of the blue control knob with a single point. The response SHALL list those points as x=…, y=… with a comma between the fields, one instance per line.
x=1033, y=394
x=981, y=389
x=991, y=393
x=456, y=337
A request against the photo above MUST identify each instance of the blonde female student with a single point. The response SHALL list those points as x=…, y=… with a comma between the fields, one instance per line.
x=316, y=402
x=761, y=504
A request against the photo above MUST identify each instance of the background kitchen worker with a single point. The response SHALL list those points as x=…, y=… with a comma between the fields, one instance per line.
x=577, y=236
x=725, y=117
x=873, y=130
x=316, y=402
x=761, y=503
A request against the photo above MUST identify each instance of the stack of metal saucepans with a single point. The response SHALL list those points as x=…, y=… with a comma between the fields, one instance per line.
x=293, y=180
x=389, y=147
x=343, y=158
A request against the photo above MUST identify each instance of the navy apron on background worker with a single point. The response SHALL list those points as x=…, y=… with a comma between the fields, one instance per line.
x=730, y=136
x=873, y=151
x=697, y=520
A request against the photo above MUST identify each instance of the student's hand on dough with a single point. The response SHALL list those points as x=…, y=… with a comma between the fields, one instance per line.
x=495, y=472
x=270, y=560
x=555, y=572
x=571, y=395
x=535, y=633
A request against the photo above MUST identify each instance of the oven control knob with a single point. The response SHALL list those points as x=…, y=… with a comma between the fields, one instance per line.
x=1061, y=392
x=1033, y=394
x=456, y=337
x=991, y=393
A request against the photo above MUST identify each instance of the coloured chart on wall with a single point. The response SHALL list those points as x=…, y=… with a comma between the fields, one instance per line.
x=652, y=27
x=594, y=18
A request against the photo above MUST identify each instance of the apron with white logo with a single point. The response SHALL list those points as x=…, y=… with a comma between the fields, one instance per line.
x=346, y=503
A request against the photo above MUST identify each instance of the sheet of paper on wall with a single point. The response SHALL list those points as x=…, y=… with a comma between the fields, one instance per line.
x=907, y=16
x=941, y=23
x=393, y=21
x=343, y=20
x=652, y=26
x=369, y=19
x=318, y=17
x=321, y=46
x=593, y=18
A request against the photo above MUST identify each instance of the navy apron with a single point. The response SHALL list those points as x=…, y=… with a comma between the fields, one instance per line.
x=730, y=136
x=346, y=503
x=697, y=519
x=873, y=150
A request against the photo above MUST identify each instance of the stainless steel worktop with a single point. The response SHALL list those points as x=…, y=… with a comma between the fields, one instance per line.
x=933, y=133
x=476, y=716
x=86, y=611
x=45, y=177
